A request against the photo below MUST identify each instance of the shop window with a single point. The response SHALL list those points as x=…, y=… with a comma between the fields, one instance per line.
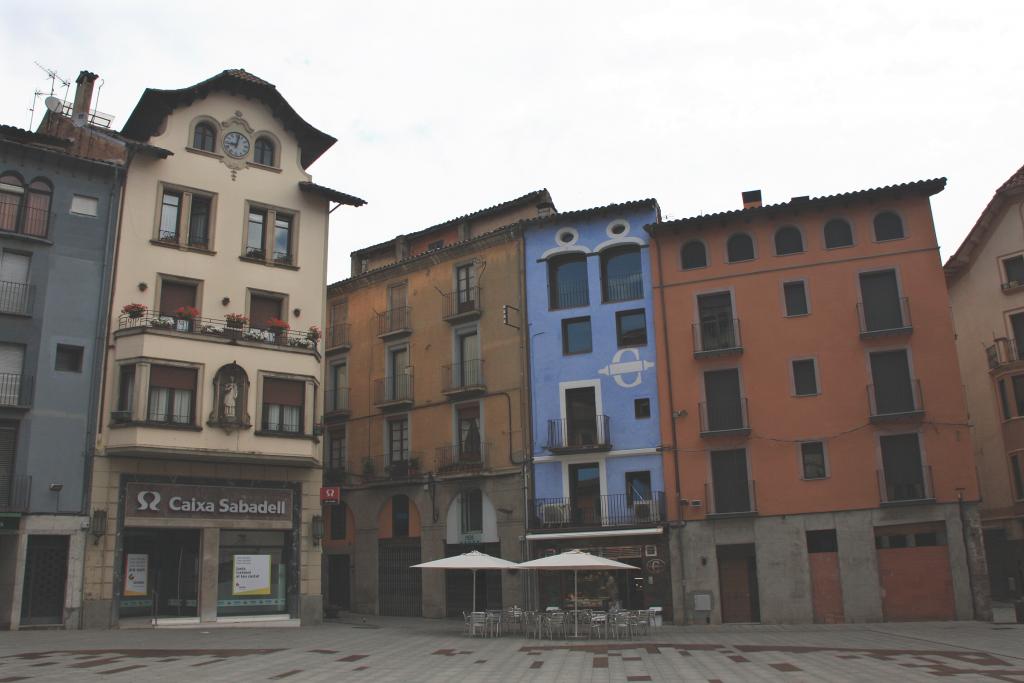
x=283, y=406
x=253, y=573
x=400, y=517
x=172, y=392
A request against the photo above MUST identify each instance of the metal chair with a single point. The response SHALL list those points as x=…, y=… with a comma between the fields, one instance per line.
x=555, y=622
x=478, y=623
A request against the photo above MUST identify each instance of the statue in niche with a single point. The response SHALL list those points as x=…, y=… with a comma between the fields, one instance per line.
x=231, y=390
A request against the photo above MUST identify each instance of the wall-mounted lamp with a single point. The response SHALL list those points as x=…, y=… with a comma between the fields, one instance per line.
x=98, y=525
x=316, y=529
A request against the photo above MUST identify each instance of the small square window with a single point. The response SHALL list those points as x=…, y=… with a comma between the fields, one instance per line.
x=642, y=408
x=69, y=358
x=805, y=380
x=1014, y=268
x=822, y=541
x=631, y=328
x=812, y=460
x=796, y=298
x=84, y=206
x=576, y=336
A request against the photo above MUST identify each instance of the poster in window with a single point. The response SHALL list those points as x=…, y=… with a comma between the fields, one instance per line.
x=252, y=575
x=136, y=575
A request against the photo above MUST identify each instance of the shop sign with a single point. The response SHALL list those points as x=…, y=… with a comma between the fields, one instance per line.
x=136, y=575
x=150, y=500
x=252, y=575
x=330, y=495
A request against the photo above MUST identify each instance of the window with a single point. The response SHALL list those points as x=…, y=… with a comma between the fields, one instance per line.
x=177, y=206
x=888, y=226
x=739, y=248
x=125, y=392
x=725, y=409
x=694, y=255
x=263, y=308
x=468, y=369
x=203, y=137
x=567, y=282
x=471, y=504
x=282, y=238
x=838, y=233
x=812, y=460
x=170, y=216
x=12, y=194
x=716, y=322
x=256, y=234
x=283, y=403
x=621, y=274
x=822, y=541
x=882, y=306
x=582, y=425
x=68, y=358
x=339, y=522
x=37, y=208
x=176, y=295
x=1018, y=393
x=467, y=419
x=15, y=293
x=729, y=482
x=893, y=391
x=795, y=294
x=336, y=443
x=1018, y=479
x=400, y=517
x=398, y=439
x=1003, y=400
x=398, y=381
x=910, y=536
x=84, y=206
x=465, y=286
x=263, y=151
x=435, y=245
x=901, y=463
x=1014, y=269
x=172, y=393
x=631, y=328
x=576, y=336
x=805, y=379
x=199, y=221
x=788, y=240
x=638, y=487
x=12, y=362
x=642, y=408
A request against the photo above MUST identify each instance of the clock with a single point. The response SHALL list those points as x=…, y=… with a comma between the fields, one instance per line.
x=236, y=145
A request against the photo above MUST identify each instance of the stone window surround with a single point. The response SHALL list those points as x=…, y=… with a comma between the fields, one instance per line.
x=140, y=399
x=309, y=404
x=184, y=213
x=268, y=234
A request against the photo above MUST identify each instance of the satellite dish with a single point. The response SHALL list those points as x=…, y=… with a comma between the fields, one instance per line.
x=53, y=104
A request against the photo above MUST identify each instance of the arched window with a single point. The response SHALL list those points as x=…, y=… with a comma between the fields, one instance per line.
x=567, y=281
x=621, y=274
x=37, y=208
x=203, y=137
x=694, y=255
x=740, y=247
x=263, y=151
x=888, y=226
x=838, y=233
x=400, y=516
x=788, y=240
x=12, y=194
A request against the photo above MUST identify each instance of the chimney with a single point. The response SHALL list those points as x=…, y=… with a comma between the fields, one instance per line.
x=752, y=199
x=83, y=93
x=546, y=209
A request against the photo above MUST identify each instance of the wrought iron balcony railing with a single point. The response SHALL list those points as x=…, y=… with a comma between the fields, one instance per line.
x=462, y=304
x=461, y=457
x=591, y=433
x=16, y=298
x=624, y=288
x=394, y=321
x=394, y=389
x=613, y=510
x=464, y=377
x=731, y=497
x=337, y=336
x=1003, y=351
x=336, y=401
x=724, y=418
x=215, y=327
x=904, y=489
x=15, y=390
x=717, y=337
x=892, y=318
x=570, y=296
x=24, y=220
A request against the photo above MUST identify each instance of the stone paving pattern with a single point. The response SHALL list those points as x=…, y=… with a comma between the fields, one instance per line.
x=383, y=649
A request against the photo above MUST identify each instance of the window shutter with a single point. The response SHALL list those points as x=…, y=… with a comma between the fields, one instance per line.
x=174, y=295
x=12, y=358
x=14, y=267
x=169, y=377
x=8, y=439
x=262, y=309
x=284, y=392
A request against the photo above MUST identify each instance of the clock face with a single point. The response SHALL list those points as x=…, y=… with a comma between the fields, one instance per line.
x=236, y=145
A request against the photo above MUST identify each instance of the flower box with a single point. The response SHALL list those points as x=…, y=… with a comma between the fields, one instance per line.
x=134, y=310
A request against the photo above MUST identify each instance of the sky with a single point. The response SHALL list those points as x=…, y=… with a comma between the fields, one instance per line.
x=442, y=108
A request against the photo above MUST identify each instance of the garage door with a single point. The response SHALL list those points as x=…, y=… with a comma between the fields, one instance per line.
x=913, y=567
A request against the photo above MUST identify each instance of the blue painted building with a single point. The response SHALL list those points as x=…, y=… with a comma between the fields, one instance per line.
x=597, y=467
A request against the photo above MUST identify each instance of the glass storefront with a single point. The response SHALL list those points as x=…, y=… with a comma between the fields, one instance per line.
x=161, y=573
x=253, y=573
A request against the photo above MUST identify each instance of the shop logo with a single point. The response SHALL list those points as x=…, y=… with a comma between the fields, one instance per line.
x=148, y=500
x=620, y=368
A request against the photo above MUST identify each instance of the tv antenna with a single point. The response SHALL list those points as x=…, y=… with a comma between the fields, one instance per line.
x=53, y=103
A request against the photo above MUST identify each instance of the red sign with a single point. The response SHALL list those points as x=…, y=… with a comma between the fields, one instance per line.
x=330, y=495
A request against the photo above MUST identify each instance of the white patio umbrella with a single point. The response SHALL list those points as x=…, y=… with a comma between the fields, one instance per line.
x=575, y=560
x=473, y=561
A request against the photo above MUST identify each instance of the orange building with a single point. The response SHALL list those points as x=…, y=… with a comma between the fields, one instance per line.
x=426, y=415
x=818, y=460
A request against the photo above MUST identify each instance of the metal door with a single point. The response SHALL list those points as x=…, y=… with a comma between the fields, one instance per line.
x=399, y=587
x=46, y=575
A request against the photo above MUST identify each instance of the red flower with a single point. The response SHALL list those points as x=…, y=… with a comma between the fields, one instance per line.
x=134, y=310
x=186, y=312
x=278, y=324
x=314, y=333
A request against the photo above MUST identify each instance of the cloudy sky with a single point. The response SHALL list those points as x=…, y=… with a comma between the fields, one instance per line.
x=444, y=107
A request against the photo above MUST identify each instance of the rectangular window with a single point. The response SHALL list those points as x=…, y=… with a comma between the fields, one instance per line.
x=717, y=325
x=880, y=299
x=796, y=298
x=84, y=206
x=400, y=516
x=126, y=391
x=175, y=295
x=339, y=522
x=12, y=361
x=893, y=388
x=1003, y=400
x=631, y=328
x=822, y=541
x=468, y=370
x=901, y=463
x=724, y=410
x=255, y=236
x=336, y=450
x=1014, y=269
x=465, y=284
x=1018, y=393
x=472, y=505
x=283, y=404
x=567, y=282
x=805, y=377
x=15, y=293
x=642, y=408
x=576, y=336
x=729, y=481
x=170, y=216
x=398, y=439
x=172, y=393
x=812, y=460
x=1018, y=477
x=199, y=221
x=68, y=358
x=638, y=487
x=581, y=417
x=264, y=307
x=282, y=238
x=468, y=419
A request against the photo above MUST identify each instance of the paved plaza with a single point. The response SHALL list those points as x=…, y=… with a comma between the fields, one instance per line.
x=389, y=649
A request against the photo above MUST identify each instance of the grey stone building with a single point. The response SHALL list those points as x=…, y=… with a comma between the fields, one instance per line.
x=57, y=218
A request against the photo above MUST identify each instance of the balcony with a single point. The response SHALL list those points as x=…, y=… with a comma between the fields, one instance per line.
x=17, y=219
x=624, y=288
x=462, y=305
x=725, y=418
x=737, y=498
x=1003, y=352
x=906, y=489
x=457, y=458
x=463, y=379
x=215, y=328
x=394, y=322
x=889, y=406
x=579, y=435
x=336, y=404
x=570, y=296
x=396, y=467
x=336, y=337
x=887, y=320
x=717, y=338
x=15, y=390
x=393, y=392
x=614, y=510
x=16, y=498
x=16, y=298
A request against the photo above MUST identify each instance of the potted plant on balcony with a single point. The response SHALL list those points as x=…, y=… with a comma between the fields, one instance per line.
x=314, y=334
x=279, y=328
x=368, y=467
x=236, y=321
x=134, y=310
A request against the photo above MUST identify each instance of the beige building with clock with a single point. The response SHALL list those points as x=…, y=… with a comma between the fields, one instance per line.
x=207, y=467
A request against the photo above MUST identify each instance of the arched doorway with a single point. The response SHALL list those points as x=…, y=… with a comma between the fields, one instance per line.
x=471, y=524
